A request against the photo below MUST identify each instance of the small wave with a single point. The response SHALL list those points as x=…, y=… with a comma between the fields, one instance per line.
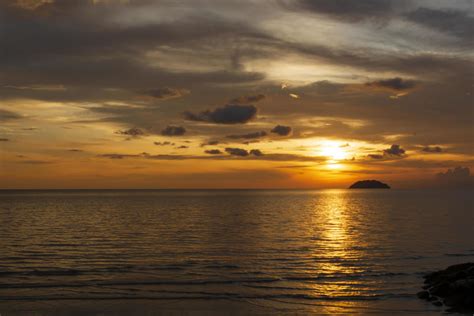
x=459, y=254
x=142, y=283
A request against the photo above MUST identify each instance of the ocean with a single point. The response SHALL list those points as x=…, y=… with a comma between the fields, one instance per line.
x=265, y=252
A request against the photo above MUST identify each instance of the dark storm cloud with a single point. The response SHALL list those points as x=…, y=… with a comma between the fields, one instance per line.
x=248, y=99
x=133, y=132
x=456, y=177
x=229, y=114
x=281, y=130
x=454, y=22
x=349, y=10
x=432, y=149
x=249, y=135
x=213, y=152
x=182, y=147
x=395, y=150
x=166, y=93
x=4, y=140
x=396, y=84
x=237, y=152
x=75, y=150
x=173, y=131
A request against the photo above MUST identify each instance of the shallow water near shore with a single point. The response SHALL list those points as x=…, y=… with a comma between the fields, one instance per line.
x=248, y=251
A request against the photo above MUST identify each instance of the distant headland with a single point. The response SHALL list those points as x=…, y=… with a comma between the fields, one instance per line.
x=369, y=184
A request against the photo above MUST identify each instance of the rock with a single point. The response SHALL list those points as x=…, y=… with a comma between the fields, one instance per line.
x=454, y=286
x=423, y=295
x=369, y=184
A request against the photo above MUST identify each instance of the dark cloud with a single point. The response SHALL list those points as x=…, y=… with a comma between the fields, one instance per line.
x=182, y=147
x=281, y=130
x=4, y=139
x=75, y=150
x=244, y=153
x=349, y=10
x=454, y=22
x=394, y=84
x=163, y=143
x=8, y=115
x=432, y=149
x=248, y=99
x=456, y=177
x=237, y=152
x=249, y=135
x=166, y=93
x=234, y=153
x=133, y=132
x=256, y=152
x=229, y=114
x=210, y=143
x=375, y=156
x=394, y=150
x=173, y=131
x=213, y=152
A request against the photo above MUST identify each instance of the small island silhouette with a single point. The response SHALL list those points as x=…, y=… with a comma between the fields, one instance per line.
x=369, y=184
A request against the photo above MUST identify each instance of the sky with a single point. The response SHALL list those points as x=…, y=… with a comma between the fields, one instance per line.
x=235, y=94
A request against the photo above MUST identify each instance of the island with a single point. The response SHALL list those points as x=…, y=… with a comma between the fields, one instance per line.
x=369, y=184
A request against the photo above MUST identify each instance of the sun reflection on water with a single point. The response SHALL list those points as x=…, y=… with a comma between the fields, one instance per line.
x=338, y=242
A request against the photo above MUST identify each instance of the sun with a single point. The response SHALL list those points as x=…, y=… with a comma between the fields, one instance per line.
x=333, y=150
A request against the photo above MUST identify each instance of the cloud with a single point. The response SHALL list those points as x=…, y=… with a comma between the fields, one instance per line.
x=210, y=143
x=8, y=115
x=133, y=132
x=432, y=149
x=75, y=150
x=213, y=152
x=281, y=130
x=394, y=150
x=173, y=131
x=237, y=152
x=249, y=135
x=166, y=93
x=163, y=143
x=454, y=22
x=352, y=11
x=248, y=99
x=229, y=114
x=256, y=152
x=4, y=140
x=394, y=84
x=243, y=153
x=182, y=147
x=456, y=177
x=375, y=156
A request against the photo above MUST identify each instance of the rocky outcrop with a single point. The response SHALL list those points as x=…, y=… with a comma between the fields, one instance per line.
x=369, y=184
x=452, y=287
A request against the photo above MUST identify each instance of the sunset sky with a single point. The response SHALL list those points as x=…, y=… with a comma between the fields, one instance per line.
x=235, y=94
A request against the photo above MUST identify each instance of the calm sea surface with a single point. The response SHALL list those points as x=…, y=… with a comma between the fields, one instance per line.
x=329, y=251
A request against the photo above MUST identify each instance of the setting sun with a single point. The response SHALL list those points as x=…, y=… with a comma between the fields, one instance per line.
x=333, y=150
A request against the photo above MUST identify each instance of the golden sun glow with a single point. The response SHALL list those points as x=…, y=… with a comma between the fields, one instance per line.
x=333, y=150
